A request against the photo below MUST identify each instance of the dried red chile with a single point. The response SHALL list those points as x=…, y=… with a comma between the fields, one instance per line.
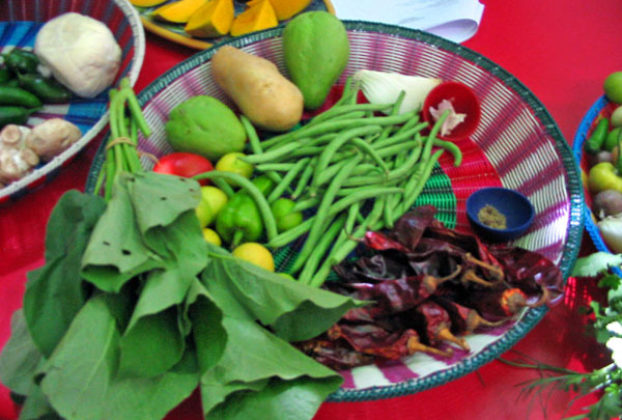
x=429, y=285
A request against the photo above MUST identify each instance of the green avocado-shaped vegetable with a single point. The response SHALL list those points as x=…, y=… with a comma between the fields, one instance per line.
x=316, y=50
x=205, y=126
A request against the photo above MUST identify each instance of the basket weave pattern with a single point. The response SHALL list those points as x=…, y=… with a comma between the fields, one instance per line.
x=516, y=145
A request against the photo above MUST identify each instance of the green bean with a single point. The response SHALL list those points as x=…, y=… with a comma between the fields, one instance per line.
x=322, y=215
x=343, y=110
x=340, y=250
x=306, y=204
x=253, y=191
x=433, y=132
x=401, y=137
x=134, y=107
x=251, y=133
x=320, y=249
x=280, y=188
x=385, y=152
x=330, y=126
x=278, y=167
x=353, y=213
x=411, y=196
x=393, y=175
x=388, y=213
x=290, y=235
x=270, y=156
x=306, y=151
x=451, y=148
x=224, y=186
x=347, y=91
x=304, y=179
x=360, y=196
x=410, y=124
x=365, y=147
x=337, y=142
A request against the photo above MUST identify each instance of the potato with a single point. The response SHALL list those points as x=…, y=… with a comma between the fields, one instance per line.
x=260, y=91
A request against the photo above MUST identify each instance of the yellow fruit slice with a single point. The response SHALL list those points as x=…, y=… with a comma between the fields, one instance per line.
x=285, y=9
x=212, y=19
x=146, y=3
x=259, y=16
x=178, y=11
x=256, y=254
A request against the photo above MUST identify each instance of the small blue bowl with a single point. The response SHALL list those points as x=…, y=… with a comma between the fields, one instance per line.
x=517, y=209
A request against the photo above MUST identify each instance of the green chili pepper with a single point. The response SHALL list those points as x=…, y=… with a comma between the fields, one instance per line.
x=10, y=83
x=596, y=140
x=5, y=75
x=48, y=90
x=240, y=220
x=14, y=115
x=19, y=97
x=21, y=61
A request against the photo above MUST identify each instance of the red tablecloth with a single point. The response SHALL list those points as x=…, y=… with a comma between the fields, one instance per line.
x=561, y=50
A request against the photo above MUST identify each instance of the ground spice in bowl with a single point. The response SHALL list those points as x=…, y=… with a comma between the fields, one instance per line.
x=490, y=216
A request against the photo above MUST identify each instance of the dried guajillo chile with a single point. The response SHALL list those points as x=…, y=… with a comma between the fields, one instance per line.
x=429, y=287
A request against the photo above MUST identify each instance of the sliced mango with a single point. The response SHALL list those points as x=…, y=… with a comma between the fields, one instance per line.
x=259, y=16
x=212, y=19
x=178, y=11
x=146, y=3
x=285, y=9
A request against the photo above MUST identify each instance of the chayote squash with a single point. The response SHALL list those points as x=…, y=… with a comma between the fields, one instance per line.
x=205, y=126
x=316, y=50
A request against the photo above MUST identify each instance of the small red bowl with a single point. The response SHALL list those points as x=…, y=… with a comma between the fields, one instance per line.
x=464, y=101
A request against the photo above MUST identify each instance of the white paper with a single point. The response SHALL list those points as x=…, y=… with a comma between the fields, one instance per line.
x=456, y=20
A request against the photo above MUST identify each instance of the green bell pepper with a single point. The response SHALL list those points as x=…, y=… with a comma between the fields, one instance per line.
x=240, y=220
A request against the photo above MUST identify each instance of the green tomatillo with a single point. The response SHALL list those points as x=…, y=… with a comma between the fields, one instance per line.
x=285, y=217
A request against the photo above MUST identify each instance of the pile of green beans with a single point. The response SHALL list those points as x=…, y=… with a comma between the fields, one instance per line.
x=337, y=163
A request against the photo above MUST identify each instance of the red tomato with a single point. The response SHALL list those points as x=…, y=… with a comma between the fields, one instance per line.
x=184, y=164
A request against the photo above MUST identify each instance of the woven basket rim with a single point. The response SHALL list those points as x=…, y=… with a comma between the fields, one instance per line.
x=575, y=192
x=138, y=35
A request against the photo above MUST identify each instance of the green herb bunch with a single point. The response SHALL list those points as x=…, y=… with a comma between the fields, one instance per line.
x=605, y=382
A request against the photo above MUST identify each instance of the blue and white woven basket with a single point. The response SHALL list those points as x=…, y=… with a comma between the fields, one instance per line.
x=20, y=21
x=602, y=107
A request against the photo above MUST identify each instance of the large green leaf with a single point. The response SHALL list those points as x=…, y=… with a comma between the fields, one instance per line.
x=205, y=318
x=159, y=199
x=81, y=380
x=19, y=358
x=297, y=399
x=79, y=371
x=254, y=360
x=116, y=252
x=37, y=407
x=55, y=293
x=186, y=257
x=153, y=346
x=295, y=311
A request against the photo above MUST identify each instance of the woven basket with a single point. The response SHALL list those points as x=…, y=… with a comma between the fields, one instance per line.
x=517, y=145
x=601, y=108
x=19, y=24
